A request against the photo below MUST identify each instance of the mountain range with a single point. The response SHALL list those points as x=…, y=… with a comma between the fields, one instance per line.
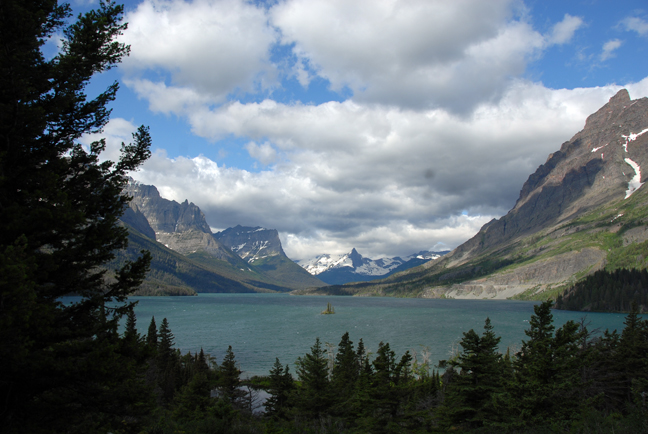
x=188, y=258
x=353, y=267
x=583, y=210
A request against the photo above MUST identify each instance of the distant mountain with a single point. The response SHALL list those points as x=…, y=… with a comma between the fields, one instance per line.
x=353, y=267
x=583, y=210
x=261, y=248
x=188, y=258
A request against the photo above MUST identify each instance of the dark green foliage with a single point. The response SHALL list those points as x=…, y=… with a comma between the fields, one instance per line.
x=314, y=394
x=607, y=291
x=230, y=379
x=63, y=366
x=280, y=389
x=547, y=387
x=480, y=376
x=345, y=371
x=151, y=336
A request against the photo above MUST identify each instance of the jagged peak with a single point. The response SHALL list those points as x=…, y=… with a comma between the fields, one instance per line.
x=613, y=108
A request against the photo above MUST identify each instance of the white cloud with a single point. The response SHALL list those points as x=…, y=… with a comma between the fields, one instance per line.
x=636, y=24
x=387, y=181
x=116, y=132
x=609, y=48
x=563, y=32
x=417, y=54
x=214, y=46
x=264, y=152
x=167, y=99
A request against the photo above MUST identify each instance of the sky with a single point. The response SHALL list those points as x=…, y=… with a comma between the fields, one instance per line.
x=389, y=126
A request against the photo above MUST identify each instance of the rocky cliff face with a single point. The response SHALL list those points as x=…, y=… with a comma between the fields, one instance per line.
x=599, y=164
x=262, y=248
x=250, y=243
x=179, y=226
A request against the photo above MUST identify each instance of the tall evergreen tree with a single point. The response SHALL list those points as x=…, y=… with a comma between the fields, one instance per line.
x=469, y=398
x=60, y=367
x=547, y=387
x=281, y=388
x=314, y=397
x=152, y=336
x=230, y=378
x=345, y=373
x=631, y=358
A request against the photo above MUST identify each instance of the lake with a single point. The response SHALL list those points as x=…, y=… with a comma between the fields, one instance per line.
x=262, y=327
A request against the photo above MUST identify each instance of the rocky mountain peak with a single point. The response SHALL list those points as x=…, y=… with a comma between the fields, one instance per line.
x=251, y=243
x=356, y=258
x=609, y=111
x=601, y=163
x=166, y=216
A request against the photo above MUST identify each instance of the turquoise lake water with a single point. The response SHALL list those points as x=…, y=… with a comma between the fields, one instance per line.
x=262, y=327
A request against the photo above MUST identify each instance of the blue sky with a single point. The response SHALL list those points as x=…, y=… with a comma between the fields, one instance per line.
x=388, y=126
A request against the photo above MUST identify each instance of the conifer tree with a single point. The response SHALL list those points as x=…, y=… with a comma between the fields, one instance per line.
x=469, y=398
x=547, y=386
x=60, y=366
x=345, y=373
x=230, y=378
x=151, y=336
x=281, y=388
x=314, y=395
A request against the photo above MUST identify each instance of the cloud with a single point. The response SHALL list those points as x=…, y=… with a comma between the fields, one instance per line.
x=116, y=132
x=609, y=48
x=264, y=152
x=385, y=180
x=216, y=47
x=636, y=24
x=563, y=32
x=415, y=54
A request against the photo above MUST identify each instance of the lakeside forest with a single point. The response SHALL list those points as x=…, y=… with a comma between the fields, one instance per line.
x=67, y=368
x=564, y=380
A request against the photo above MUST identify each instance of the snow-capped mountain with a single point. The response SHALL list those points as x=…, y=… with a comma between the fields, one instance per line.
x=353, y=267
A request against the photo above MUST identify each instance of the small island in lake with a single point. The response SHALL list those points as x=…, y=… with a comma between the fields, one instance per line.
x=329, y=310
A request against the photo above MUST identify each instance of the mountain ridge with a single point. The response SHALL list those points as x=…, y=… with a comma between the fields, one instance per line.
x=352, y=267
x=180, y=239
x=579, y=209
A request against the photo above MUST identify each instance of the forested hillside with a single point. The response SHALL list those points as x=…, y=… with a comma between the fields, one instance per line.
x=608, y=291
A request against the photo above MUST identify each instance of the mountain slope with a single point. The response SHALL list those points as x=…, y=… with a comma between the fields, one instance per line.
x=262, y=249
x=185, y=242
x=575, y=214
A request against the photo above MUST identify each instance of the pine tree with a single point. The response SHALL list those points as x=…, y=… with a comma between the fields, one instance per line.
x=345, y=374
x=314, y=396
x=469, y=398
x=281, y=388
x=151, y=336
x=60, y=367
x=547, y=388
x=229, y=380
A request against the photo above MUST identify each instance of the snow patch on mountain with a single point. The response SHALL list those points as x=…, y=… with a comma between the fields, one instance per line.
x=635, y=182
x=356, y=263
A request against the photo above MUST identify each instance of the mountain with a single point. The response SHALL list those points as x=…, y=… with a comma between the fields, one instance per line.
x=262, y=249
x=187, y=257
x=583, y=210
x=353, y=267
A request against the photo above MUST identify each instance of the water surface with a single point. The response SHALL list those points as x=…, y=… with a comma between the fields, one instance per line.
x=262, y=327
